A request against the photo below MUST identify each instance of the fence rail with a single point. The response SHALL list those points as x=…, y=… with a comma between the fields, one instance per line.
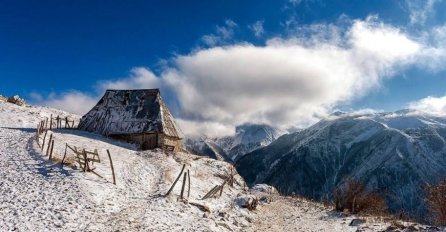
x=84, y=157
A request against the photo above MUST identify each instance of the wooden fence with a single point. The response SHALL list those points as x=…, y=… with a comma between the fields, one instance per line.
x=85, y=158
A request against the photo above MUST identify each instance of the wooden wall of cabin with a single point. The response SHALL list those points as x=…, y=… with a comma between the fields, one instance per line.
x=176, y=143
x=146, y=141
x=152, y=141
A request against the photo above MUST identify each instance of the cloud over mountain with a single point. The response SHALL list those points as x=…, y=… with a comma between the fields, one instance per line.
x=289, y=81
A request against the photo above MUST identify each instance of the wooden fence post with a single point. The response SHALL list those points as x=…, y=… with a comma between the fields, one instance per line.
x=111, y=164
x=44, y=137
x=38, y=137
x=221, y=188
x=176, y=180
x=46, y=123
x=64, y=154
x=86, y=166
x=188, y=187
x=51, y=122
x=49, y=143
x=37, y=131
x=51, y=151
x=97, y=154
x=183, y=185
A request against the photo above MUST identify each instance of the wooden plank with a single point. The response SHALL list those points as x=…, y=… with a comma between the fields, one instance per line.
x=111, y=164
x=94, y=158
x=97, y=155
x=52, y=147
x=44, y=137
x=86, y=166
x=48, y=147
x=81, y=164
x=37, y=136
x=71, y=148
x=183, y=186
x=211, y=192
x=92, y=170
x=221, y=189
x=65, y=154
x=176, y=180
x=188, y=181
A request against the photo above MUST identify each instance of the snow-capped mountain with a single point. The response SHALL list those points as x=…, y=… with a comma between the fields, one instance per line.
x=392, y=153
x=247, y=138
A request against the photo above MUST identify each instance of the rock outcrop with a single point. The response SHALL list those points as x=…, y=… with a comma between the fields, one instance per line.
x=16, y=100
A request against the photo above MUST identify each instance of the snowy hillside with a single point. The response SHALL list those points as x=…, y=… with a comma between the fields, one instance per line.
x=247, y=138
x=392, y=153
x=37, y=195
x=41, y=195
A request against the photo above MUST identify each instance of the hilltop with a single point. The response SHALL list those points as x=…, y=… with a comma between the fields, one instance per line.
x=39, y=195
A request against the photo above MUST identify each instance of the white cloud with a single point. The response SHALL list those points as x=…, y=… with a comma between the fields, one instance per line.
x=211, y=129
x=139, y=78
x=433, y=105
x=257, y=28
x=72, y=101
x=420, y=10
x=222, y=34
x=434, y=56
x=289, y=82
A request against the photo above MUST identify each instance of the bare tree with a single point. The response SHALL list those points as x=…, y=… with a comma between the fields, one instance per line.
x=352, y=196
x=436, y=201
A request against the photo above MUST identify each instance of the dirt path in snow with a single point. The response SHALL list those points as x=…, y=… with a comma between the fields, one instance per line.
x=291, y=214
x=34, y=194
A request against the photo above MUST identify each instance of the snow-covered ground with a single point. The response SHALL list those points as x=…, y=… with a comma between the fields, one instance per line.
x=40, y=195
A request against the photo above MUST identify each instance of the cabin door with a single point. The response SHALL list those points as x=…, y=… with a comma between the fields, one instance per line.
x=150, y=141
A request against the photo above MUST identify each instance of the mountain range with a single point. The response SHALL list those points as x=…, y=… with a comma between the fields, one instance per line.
x=247, y=138
x=395, y=154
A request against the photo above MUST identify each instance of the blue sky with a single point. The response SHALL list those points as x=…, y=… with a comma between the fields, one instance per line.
x=65, y=53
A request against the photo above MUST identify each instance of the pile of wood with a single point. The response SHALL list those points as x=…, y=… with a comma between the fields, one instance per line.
x=216, y=191
x=229, y=176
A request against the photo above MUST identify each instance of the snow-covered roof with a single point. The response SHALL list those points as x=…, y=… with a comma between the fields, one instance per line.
x=130, y=112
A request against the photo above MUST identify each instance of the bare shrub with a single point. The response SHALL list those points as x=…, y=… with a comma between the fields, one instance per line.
x=436, y=202
x=353, y=197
